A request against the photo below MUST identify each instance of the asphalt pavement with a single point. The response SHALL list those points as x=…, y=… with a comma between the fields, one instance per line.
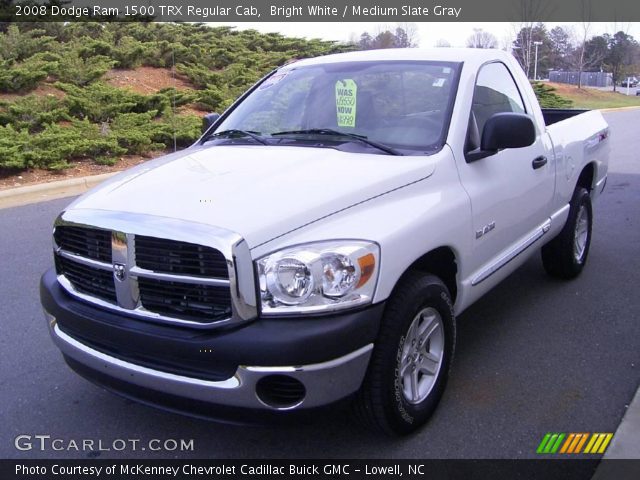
x=535, y=355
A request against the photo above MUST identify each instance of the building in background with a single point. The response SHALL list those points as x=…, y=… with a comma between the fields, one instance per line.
x=589, y=79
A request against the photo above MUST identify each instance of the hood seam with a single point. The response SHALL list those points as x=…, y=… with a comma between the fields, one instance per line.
x=341, y=210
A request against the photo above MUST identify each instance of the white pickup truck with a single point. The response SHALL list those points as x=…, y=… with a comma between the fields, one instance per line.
x=317, y=242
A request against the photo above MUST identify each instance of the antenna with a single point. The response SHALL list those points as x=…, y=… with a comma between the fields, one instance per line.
x=173, y=106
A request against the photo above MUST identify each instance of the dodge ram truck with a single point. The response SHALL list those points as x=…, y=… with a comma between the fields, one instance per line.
x=316, y=244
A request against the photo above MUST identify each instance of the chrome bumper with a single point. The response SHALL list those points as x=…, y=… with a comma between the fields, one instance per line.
x=324, y=383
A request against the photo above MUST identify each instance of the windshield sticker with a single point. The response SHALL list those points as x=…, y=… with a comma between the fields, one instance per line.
x=346, y=102
x=273, y=79
x=438, y=82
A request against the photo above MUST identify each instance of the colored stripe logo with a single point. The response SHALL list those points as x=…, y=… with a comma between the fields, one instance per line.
x=572, y=443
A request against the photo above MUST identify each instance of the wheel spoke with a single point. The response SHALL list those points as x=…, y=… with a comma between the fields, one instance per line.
x=415, y=393
x=427, y=335
x=406, y=363
x=429, y=363
x=412, y=334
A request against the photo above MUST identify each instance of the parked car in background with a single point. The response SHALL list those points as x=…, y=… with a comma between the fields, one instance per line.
x=631, y=82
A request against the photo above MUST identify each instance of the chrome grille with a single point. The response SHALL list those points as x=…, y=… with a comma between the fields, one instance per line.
x=91, y=243
x=161, y=279
x=185, y=299
x=88, y=280
x=180, y=258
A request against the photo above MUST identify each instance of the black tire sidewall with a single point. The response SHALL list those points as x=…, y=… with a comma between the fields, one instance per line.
x=582, y=198
x=558, y=255
x=403, y=416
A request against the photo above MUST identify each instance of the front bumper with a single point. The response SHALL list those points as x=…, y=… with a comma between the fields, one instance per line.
x=328, y=356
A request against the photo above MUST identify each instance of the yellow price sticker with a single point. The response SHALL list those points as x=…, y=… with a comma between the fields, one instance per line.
x=346, y=102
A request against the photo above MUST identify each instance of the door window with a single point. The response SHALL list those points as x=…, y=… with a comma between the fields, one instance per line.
x=495, y=92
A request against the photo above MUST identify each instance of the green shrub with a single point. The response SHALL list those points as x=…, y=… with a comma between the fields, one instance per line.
x=90, y=48
x=185, y=128
x=100, y=102
x=210, y=100
x=77, y=70
x=18, y=45
x=55, y=145
x=199, y=76
x=24, y=76
x=129, y=53
x=19, y=79
x=547, y=97
x=33, y=112
x=136, y=132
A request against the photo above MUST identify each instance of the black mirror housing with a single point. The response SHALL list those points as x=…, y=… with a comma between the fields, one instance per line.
x=508, y=130
x=208, y=120
x=504, y=130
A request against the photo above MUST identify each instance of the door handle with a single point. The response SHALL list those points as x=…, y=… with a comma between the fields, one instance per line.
x=539, y=162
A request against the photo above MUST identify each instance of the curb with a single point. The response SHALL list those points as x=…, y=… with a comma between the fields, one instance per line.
x=617, y=109
x=14, y=197
x=620, y=461
x=626, y=441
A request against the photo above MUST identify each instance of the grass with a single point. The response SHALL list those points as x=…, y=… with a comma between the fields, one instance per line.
x=592, y=98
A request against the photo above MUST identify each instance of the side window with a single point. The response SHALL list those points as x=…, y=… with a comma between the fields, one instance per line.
x=495, y=92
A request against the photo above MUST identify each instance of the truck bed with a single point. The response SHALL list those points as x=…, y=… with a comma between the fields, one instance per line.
x=554, y=115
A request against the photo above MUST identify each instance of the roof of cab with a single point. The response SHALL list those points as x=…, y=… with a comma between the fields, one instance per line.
x=468, y=55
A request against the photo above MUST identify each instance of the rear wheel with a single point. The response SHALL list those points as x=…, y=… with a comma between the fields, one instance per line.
x=410, y=362
x=566, y=255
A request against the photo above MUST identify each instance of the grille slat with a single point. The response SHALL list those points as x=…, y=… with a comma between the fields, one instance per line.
x=192, y=301
x=88, y=280
x=87, y=242
x=179, y=258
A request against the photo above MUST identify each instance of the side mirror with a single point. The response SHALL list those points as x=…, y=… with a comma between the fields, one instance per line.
x=504, y=130
x=208, y=120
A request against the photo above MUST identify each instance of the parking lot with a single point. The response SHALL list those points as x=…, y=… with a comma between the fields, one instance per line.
x=535, y=355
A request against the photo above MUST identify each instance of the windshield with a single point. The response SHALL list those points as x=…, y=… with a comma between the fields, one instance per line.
x=402, y=105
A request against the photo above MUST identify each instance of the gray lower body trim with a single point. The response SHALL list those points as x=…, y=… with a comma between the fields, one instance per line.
x=512, y=253
x=325, y=382
x=533, y=237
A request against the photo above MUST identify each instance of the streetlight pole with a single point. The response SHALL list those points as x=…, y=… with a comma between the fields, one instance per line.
x=535, y=66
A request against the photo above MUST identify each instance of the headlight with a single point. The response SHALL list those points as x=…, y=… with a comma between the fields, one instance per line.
x=318, y=277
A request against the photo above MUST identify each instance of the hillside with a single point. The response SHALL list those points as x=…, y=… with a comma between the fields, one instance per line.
x=118, y=92
x=593, y=98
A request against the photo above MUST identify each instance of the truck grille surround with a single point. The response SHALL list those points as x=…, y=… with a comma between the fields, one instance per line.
x=162, y=279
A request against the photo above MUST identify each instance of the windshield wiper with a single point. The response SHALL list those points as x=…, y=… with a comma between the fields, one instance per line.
x=328, y=131
x=238, y=134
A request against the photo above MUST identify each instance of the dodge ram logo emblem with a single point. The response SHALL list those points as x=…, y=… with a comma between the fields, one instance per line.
x=119, y=271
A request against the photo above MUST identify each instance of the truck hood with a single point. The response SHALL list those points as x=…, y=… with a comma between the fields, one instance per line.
x=259, y=192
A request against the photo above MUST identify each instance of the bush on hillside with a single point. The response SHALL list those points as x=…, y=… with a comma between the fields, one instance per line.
x=55, y=145
x=21, y=77
x=77, y=70
x=96, y=120
x=547, y=97
x=33, y=112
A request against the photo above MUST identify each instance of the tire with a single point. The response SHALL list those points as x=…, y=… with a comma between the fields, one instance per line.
x=566, y=255
x=388, y=400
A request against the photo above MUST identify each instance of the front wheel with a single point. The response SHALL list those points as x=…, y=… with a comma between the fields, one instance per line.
x=566, y=255
x=411, y=359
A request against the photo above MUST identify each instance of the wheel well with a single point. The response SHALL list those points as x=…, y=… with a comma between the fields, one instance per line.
x=442, y=263
x=586, y=177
